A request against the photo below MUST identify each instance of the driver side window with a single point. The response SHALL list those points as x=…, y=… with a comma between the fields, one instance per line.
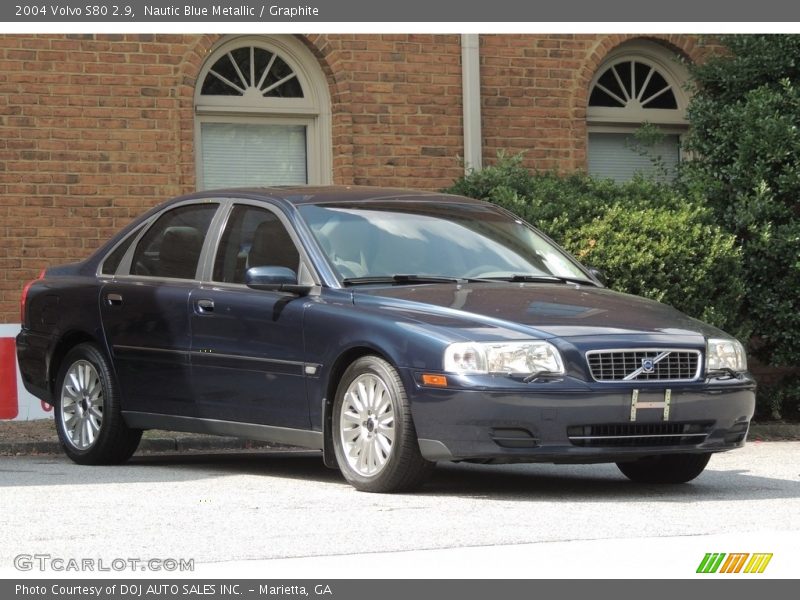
x=253, y=237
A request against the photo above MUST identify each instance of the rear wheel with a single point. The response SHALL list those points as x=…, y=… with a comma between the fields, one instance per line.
x=669, y=468
x=88, y=412
x=373, y=433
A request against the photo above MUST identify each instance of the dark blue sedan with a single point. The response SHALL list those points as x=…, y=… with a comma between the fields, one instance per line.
x=390, y=329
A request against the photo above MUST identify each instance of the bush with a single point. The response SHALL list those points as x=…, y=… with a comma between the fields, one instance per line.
x=745, y=135
x=779, y=401
x=670, y=255
x=646, y=238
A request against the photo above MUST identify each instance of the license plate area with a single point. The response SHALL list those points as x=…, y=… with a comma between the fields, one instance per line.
x=651, y=400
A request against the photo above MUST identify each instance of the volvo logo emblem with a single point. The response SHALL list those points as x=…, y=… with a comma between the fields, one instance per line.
x=648, y=366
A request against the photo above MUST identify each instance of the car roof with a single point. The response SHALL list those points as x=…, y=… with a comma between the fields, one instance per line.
x=312, y=194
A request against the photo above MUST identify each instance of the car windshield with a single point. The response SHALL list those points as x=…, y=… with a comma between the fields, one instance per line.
x=429, y=239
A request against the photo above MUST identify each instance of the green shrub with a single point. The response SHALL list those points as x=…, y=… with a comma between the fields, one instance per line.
x=670, y=255
x=647, y=239
x=779, y=401
x=745, y=135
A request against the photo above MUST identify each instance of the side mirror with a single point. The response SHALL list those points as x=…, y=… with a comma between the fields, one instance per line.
x=275, y=279
x=597, y=274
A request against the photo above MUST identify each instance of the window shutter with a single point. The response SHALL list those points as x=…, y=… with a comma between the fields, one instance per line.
x=252, y=154
x=617, y=156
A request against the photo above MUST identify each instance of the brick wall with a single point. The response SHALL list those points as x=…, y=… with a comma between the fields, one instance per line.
x=95, y=129
x=534, y=91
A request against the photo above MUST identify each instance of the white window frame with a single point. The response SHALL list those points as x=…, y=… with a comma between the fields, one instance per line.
x=627, y=120
x=653, y=55
x=313, y=110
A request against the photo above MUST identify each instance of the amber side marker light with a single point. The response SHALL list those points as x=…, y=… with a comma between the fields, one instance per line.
x=434, y=380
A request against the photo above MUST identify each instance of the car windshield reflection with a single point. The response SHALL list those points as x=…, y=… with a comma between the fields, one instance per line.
x=456, y=241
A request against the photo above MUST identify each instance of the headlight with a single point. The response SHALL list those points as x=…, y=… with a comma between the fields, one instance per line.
x=722, y=354
x=524, y=358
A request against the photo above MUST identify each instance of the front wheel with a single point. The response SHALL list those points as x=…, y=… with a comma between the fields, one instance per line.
x=88, y=411
x=373, y=433
x=669, y=468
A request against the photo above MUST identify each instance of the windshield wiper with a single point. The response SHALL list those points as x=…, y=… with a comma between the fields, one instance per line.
x=520, y=278
x=400, y=279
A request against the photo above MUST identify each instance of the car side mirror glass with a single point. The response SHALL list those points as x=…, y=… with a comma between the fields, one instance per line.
x=597, y=274
x=275, y=279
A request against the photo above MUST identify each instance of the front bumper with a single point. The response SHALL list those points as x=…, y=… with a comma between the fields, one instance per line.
x=571, y=421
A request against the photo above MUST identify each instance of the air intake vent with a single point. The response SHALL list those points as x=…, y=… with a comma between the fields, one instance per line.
x=639, y=434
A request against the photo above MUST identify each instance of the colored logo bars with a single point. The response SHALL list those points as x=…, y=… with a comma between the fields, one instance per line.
x=734, y=563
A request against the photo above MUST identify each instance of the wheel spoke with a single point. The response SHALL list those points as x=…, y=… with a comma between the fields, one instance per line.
x=69, y=423
x=384, y=442
x=382, y=402
x=355, y=402
x=75, y=388
x=353, y=449
x=387, y=432
x=351, y=417
x=362, y=460
x=352, y=434
x=93, y=387
x=82, y=433
x=75, y=433
x=363, y=395
x=371, y=392
x=90, y=431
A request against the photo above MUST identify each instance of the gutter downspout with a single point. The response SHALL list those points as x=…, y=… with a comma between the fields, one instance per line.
x=471, y=101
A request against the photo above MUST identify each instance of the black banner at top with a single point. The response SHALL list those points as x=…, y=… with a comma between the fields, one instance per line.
x=362, y=11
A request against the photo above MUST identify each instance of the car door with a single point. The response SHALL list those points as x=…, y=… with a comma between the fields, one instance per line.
x=247, y=345
x=145, y=311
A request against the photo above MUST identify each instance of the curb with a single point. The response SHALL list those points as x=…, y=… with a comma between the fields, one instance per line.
x=148, y=445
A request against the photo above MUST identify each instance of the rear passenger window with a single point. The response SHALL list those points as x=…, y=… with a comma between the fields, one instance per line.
x=253, y=237
x=111, y=263
x=171, y=247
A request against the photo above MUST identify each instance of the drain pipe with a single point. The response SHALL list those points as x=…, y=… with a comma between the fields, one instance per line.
x=471, y=100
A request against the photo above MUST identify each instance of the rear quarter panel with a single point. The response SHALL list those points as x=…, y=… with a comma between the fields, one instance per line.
x=58, y=309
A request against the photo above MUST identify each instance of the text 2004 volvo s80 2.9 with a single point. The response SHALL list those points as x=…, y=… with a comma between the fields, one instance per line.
x=390, y=329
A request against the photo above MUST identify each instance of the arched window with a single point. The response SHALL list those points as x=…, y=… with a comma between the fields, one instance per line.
x=262, y=115
x=639, y=83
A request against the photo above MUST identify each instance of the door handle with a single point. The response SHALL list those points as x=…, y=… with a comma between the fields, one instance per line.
x=205, y=306
x=114, y=299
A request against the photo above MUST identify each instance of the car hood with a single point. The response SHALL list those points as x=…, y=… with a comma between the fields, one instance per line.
x=554, y=310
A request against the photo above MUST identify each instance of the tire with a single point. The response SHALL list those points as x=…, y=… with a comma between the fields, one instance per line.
x=373, y=434
x=86, y=391
x=669, y=468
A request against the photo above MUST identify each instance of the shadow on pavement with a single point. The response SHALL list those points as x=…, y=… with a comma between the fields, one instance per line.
x=545, y=482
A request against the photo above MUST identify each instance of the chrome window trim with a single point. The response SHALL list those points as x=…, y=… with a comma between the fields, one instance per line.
x=695, y=351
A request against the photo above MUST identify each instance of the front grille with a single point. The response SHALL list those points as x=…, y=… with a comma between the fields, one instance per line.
x=651, y=364
x=638, y=434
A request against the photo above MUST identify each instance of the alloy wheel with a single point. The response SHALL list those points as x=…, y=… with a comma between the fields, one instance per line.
x=81, y=406
x=367, y=425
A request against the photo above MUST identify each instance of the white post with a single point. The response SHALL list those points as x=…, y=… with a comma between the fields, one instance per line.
x=471, y=89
